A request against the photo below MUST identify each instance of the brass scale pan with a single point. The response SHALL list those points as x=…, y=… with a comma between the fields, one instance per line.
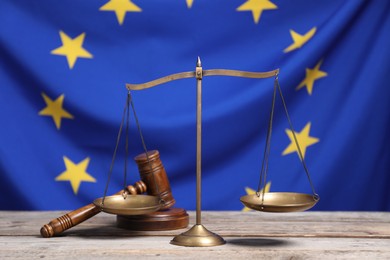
x=267, y=202
x=279, y=201
x=130, y=205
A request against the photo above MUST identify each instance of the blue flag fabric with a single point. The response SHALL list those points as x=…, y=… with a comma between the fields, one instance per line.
x=64, y=66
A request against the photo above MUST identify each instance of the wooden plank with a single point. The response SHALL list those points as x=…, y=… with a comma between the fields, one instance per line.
x=224, y=223
x=29, y=247
x=309, y=235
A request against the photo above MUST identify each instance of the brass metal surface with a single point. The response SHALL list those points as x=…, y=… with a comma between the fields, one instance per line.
x=198, y=236
x=192, y=74
x=162, y=80
x=199, y=75
x=240, y=73
x=279, y=201
x=131, y=205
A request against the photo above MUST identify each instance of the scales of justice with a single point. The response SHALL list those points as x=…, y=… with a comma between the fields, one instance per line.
x=154, y=211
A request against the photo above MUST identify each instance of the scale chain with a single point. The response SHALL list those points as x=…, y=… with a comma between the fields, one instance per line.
x=116, y=148
x=124, y=194
x=316, y=196
x=264, y=166
x=143, y=143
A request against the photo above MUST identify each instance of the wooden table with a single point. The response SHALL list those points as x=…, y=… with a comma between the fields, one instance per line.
x=249, y=235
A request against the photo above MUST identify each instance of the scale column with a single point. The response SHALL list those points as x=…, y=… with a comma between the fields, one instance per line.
x=198, y=235
x=199, y=75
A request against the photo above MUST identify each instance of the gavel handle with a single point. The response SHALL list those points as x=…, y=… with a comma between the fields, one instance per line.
x=71, y=219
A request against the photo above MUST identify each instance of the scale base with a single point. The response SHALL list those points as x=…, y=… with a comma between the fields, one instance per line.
x=198, y=236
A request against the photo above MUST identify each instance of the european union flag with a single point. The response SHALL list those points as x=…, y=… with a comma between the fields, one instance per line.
x=64, y=66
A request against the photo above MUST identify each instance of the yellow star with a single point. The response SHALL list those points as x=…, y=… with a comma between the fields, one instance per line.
x=250, y=191
x=75, y=173
x=299, y=40
x=189, y=3
x=120, y=7
x=55, y=110
x=304, y=141
x=72, y=48
x=257, y=7
x=311, y=76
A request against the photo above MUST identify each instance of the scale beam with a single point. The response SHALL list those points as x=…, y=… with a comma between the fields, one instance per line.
x=192, y=74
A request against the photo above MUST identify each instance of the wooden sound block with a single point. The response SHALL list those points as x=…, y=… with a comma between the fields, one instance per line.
x=173, y=218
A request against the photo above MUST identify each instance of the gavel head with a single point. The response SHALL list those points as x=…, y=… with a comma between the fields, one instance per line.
x=153, y=174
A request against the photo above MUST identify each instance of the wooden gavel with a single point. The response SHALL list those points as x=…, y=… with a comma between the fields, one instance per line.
x=154, y=181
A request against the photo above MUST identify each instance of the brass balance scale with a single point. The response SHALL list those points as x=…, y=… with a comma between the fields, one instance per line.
x=198, y=236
